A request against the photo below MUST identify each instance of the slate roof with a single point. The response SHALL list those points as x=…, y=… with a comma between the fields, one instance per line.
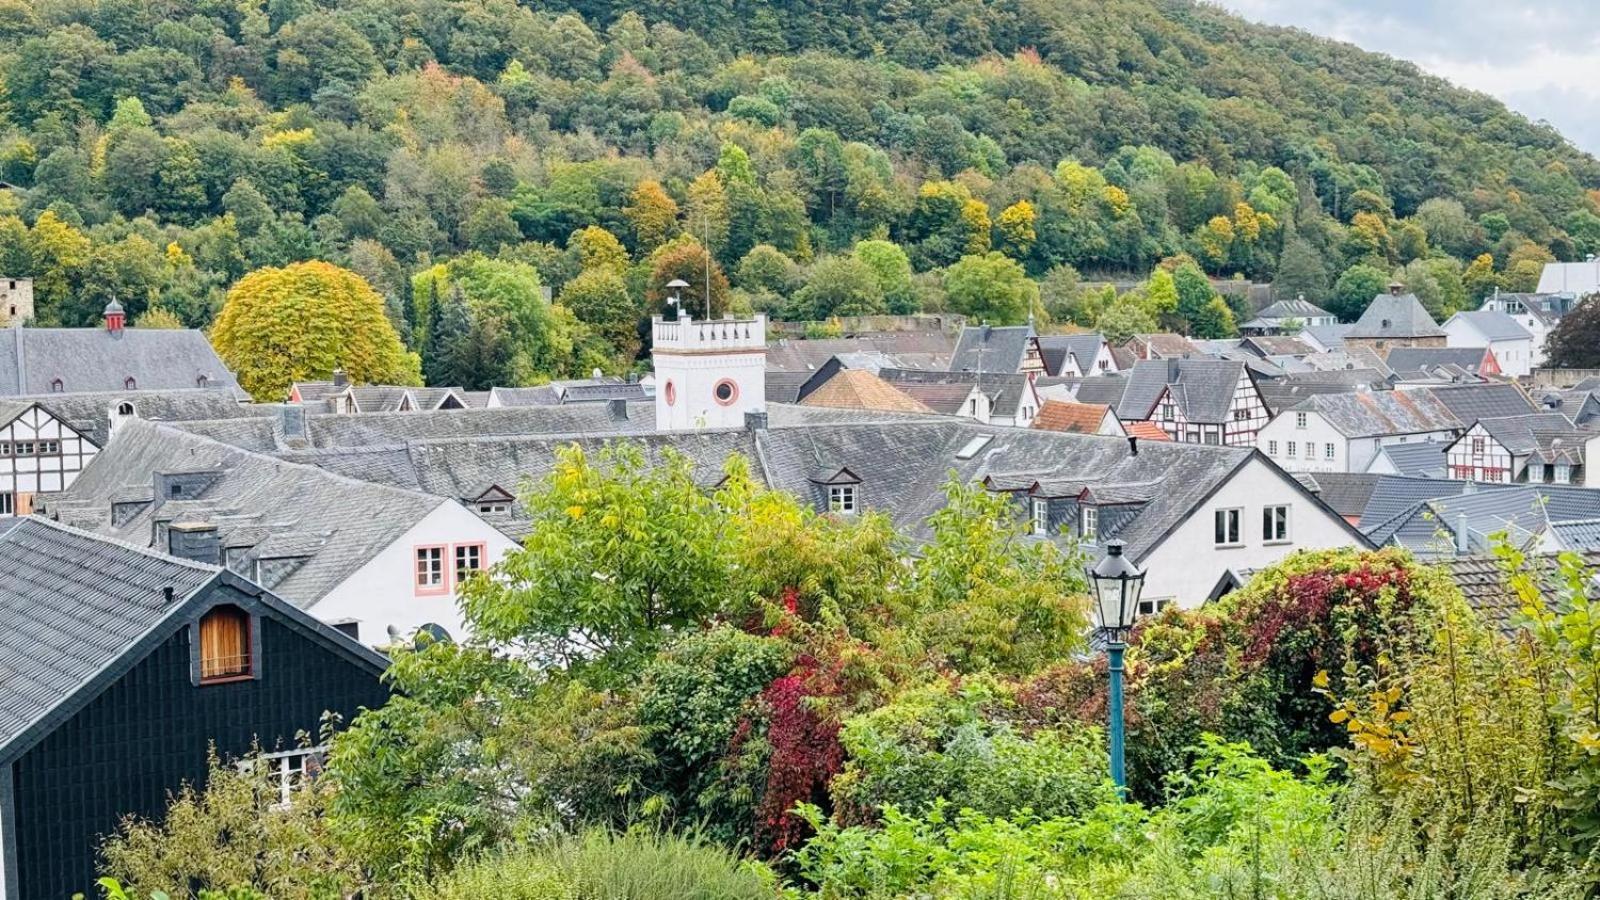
x=922, y=349
x=1054, y=349
x=944, y=399
x=1578, y=278
x=1107, y=389
x=78, y=606
x=1201, y=388
x=1422, y=459
x=1346, y=492
x=1280, y=394
x=90, y=413
x=1471, y=402
x=1329, y=336
x=1005, y=390
x=1406, y=361
x=358, y=519
x=93, y=359
x=1393, y=317
x=1076, y=418
x=1482, y=581
x=860, y=389
x=1579, y=406
x=1298, y=308
x=543, y=395
x=784, y=387
x=1277, y=345
x=1425, y=514
x=1164, y=345
x=1366, y=413
x=1495, y=326
x=1533, y=433
x=986, y=348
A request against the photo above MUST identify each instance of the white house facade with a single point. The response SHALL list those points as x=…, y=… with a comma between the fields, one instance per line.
x=1511, y=343
x=709, y=374
x=1252, y=520
x=38, y=454
x=1307, y=439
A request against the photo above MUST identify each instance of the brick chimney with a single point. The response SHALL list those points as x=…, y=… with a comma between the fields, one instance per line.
x=1396, y=288
x=340, y=378
x=114, y=318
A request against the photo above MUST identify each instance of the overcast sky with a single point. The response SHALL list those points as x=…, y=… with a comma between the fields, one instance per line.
x=1541, y=58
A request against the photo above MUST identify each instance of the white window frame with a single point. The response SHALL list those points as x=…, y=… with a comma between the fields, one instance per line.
x=1149, y=606
x=1327, y=451
x=1275, y=528
x=1040, y=509
x=1272, y=448
x=1300, y=420
x=842, y=499
x=1292, y=450
x=1563, y=473
x=1226, y=522
x=1089, y=523
x=288, y=769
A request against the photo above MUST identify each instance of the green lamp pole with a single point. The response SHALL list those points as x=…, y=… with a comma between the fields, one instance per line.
x=1117, y=585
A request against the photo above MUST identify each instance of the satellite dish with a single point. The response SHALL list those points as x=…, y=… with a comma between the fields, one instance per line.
x=430, y=634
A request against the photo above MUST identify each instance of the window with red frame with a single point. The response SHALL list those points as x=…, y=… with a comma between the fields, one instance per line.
x=430, y=569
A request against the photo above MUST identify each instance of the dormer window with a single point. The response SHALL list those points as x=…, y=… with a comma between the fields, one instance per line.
x=202, y=380
x=130, y=383
x=57, y=386
x=1041, y=515
x=842, y=499
x=1089, y=523
x=225, y=646
x=124, y=408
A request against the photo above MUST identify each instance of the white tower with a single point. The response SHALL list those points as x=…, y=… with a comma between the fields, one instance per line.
x=709, y=374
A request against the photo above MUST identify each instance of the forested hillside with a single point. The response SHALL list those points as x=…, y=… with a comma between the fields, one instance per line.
x=838, y=157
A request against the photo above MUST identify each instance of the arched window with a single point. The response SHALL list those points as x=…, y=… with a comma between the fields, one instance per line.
x=130, y=384
x=125, y=408
x=56, y=386
x=225, y=645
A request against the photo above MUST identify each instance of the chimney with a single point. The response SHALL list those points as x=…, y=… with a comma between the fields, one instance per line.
x=1133, y=444
x=618, y=408
x=1395, y=288
x=292, y=420
x=755, y=421
x=195, y=541
x=597, y=375
x=1463, y=543
x=114, y=318
x=340, y=378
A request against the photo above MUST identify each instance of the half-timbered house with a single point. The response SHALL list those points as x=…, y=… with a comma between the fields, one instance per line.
x=1196, y=401
x=39, y=453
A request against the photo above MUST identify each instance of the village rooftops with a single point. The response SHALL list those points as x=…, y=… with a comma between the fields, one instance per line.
x=1202, y=388
x=861, y=389
x=59, y=360
x=1378, y=413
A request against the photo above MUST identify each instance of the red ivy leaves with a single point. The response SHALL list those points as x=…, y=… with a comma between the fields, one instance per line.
x=804, y=756
x=1299, y=618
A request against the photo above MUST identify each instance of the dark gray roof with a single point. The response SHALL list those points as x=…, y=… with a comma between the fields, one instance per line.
x=1106, y=389
x=1201, y=388
x=1054, y=349
x=93, y=359
x=357, y=518
x=1280, y=394
x=1298, y=308
x=71, y=602
x=1426, y=514
x=784, y=387
x=90, y=414
x=984, y=348
x=1470, y=402
x=1495, y=326
x=1422, y=459
x=81, y=608
x=1366, y=413
x=1346, y=492
x=1483, y=582
x=1523, y=435
x=1330, y=336
x=1579, y=406
x=1394, y=317
x=1006, y=390
x=922, y=349
x=543, y=395
x=1276, y=345
x=1409, y=361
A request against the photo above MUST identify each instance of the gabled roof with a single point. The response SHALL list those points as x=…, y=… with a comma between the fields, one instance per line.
x=1146, y=431
x=1298, y=308
x=1415, y=512
x=1276, y=345
x=1054, y=349
x=94, y=359
x=1421, y=459
x=986, y=348
x=1395, y=316
x=1074, y=418
x=1107, y=389
x=543, y=395
x=1346, y=493
x=1484, y=583
x=1280, y=394
x=81, y=609
x=1523, y=435
x=1406, y=361
x=1493, y=326
x=1470, y=402
x=919, y=349
x=1368, y=413
x=1163, y=345
x=1580, y=278
x=90, y=414
x=358, y=519
x=860, y=389
x=1329, y=336
x=1202, y=388
x=1006, y=391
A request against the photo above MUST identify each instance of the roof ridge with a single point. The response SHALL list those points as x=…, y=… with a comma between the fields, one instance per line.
x=107, y=539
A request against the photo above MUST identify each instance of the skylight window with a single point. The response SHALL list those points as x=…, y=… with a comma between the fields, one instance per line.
x=974, y=446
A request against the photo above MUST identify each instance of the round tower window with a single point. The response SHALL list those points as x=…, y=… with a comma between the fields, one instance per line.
x=671, y=392
x=725, y=391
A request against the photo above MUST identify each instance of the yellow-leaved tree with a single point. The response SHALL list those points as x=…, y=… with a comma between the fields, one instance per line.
x=301, y=322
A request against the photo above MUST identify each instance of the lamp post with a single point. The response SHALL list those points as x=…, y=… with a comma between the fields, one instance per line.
x=676, y=300
x=1117, y=585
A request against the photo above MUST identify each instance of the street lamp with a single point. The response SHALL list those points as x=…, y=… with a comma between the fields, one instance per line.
x=1117, y=585
x=677, y=285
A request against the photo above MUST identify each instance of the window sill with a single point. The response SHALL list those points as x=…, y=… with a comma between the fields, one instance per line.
x=1282, y=543
x=227, y=679
x=1227, y=546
